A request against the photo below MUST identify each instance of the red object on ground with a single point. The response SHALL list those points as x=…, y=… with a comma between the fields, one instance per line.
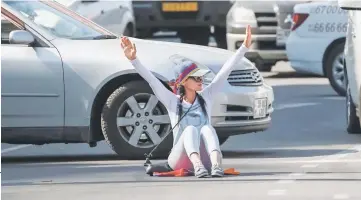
x=184, y=172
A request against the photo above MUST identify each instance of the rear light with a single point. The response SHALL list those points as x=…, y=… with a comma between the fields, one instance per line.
x=298, y=19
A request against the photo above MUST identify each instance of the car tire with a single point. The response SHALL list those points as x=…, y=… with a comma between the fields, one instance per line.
x=144, y=33
x=334, y=69
x=124, y=102
x=353, y=123
x=195, y=35
x=128, y=31
x=222, y=139
x=220, y=35
x=264, y=67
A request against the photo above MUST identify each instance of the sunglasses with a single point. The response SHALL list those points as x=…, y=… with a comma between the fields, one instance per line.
x=196, y=78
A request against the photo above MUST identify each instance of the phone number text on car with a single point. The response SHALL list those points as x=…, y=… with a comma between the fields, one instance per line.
x=327, y=27
x=328, y=9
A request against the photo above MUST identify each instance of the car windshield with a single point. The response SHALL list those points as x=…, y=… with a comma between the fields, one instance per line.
x=58, y=22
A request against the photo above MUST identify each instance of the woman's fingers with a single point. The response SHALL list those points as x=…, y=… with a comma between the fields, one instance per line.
x=247, y=41
x=127, y=42
x=248, y=31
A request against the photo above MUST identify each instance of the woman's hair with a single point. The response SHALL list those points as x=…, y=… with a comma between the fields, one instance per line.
x=182, y=93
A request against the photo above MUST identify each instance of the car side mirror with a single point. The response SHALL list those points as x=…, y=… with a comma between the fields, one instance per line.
x=21, y=37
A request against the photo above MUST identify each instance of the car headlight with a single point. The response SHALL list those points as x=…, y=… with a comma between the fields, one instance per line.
x=241, y=15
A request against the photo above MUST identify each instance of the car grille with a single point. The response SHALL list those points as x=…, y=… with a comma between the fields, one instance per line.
x=251, y=77
x=266, y=20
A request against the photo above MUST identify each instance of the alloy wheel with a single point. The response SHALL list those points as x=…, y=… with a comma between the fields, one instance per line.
x=338, y=70
x=142, y=121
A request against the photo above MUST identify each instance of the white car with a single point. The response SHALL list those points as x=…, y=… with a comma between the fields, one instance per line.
x=353, y=65
x=116, y=16
x=317, y=39
x=66, y=80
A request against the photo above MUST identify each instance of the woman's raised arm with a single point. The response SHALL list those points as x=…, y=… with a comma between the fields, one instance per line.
x=161, y=92
x=222, y=76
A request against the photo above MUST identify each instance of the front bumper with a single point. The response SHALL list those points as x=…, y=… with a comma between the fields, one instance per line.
x=232, y=111
x=257, y=52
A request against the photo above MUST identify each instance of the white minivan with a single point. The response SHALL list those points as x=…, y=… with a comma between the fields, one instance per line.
x=352, y=65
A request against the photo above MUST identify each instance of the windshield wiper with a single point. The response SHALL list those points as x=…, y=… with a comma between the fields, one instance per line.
x=101, y=37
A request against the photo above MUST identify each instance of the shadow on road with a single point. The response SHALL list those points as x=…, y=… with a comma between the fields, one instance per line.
x=292, y=74
x=285, y=153
x=274, y=153
x=44, y=159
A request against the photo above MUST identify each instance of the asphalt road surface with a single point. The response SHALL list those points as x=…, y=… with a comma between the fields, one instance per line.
x=306, y=154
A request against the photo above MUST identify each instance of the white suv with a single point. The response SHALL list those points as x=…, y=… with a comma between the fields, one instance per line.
x=353, y=64
x=317, y=39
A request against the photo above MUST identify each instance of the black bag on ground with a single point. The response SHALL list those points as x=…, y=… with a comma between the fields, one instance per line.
x=158, y=167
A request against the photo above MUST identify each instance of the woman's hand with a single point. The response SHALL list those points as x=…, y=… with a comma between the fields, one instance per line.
x=247, y=42
x=130, y=51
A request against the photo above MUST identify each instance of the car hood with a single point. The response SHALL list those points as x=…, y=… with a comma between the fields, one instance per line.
x=108, y=54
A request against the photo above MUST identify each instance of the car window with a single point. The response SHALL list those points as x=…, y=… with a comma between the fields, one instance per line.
x=6, y=28
x=55, y=21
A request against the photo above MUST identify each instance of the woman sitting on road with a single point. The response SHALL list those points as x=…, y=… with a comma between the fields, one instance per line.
x=189, y=150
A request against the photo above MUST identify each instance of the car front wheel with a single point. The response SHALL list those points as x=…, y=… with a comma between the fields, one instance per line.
x=353, y=123
x=335, y=70
x=133, y=121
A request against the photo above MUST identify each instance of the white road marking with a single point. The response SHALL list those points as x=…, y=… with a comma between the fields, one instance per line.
x=276, y=192
x=335, y=98
x=332, y=158
x=296, y=174
x=309, y=166
x=328, y=161
x=295, y=105
x=126, y=163
x=343, y=153
x=98, y=166
x=341, y=196
x=14, y=148
x=285, y=181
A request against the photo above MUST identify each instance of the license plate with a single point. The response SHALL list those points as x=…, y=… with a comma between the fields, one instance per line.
x=179, y=6
x=260, y=108
x=282, y=35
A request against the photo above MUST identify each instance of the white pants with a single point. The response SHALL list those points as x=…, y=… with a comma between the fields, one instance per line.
x=192, y=140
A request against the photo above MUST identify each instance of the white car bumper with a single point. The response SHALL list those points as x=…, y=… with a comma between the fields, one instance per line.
x=233, y=110
x=306, y=54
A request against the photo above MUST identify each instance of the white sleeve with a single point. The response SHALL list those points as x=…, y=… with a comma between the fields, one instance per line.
x=161, y=92
x=222, y=76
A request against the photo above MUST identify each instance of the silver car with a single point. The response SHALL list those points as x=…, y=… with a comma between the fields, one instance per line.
x=66, y=80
